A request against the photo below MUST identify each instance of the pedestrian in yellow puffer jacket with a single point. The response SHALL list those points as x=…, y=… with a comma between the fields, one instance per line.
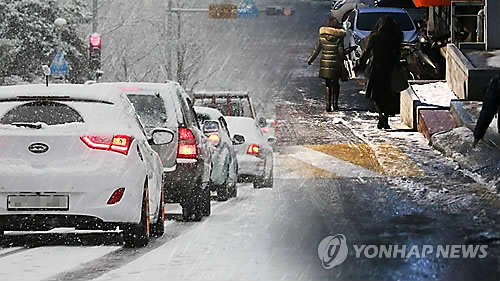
x=331, y=45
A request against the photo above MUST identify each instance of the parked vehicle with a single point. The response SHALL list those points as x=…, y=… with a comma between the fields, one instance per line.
x=77, y=156
x=434, y=49
x=341, y=8
x=224, y=162
x=254, y=153
x=360, y=23
x=187, y=160
x=418, y=64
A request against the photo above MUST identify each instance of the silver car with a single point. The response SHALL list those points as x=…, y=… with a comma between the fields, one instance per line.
x=361, y=21
x=255, y=154
x=341, y=8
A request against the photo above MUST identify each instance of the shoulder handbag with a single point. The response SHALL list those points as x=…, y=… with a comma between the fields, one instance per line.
x=399, y=78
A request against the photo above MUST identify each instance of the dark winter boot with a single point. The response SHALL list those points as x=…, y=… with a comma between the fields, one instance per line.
x=328, y=100
x=380, y=123
x=335, y=100
x=386, y=122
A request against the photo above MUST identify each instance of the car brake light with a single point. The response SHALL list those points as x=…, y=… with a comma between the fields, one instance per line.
x=214, y=138
x=253, y=149
x=118, y=143
x=187, y=144
x=116, y=196
x=265, y=130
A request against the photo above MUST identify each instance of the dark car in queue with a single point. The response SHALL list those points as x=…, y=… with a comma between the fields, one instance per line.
x=224, y=161
x=187, y=160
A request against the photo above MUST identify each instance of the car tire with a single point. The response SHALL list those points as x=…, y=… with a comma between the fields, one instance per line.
x=137, y=235
x=193, y=208
x=262, y=182
x=223, y=191
x=234, y=190
x=269, y=182
x=207, y=207
x=158, y=228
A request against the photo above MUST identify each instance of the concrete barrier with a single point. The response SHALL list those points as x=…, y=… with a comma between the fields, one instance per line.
x=465, y=80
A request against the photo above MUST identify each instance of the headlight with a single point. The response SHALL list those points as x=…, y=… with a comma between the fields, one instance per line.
x=339, y=4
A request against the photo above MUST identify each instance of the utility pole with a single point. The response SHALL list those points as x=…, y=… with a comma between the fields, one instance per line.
x=94, y=16
x=170, y=45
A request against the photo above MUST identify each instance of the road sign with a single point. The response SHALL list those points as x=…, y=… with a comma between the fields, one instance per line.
x=59, y=66
x=248, y=9
x=222, y=11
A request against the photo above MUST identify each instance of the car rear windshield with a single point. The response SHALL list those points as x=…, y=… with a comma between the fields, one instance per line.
x=150, y=109
x=48, y=112
x=229, y=107
x=366, y=21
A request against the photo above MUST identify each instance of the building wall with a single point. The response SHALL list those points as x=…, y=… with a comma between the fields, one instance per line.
x=492, y=23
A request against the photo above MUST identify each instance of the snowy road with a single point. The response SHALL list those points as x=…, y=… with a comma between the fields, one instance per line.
x=267, y=234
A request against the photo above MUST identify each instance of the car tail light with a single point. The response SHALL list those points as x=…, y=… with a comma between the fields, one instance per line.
x=116, y=196
x=265, y=130
x=118, y=143
x=214, y=138
x=187, y=144
x=253, y=149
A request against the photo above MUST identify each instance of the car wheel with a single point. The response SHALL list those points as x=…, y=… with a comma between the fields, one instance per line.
x=258, y=182
x=234, y=190
x=207, y=208
x=223, y=191
x=137, y=235
x=158, y=228
x=269, y=181
x=192, y=209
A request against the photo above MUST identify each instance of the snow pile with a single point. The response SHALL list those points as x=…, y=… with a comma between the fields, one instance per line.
x=435, y=93
x=484, y=59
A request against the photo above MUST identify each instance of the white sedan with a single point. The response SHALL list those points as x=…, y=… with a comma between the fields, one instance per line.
x=77, y=156
x=253, y=150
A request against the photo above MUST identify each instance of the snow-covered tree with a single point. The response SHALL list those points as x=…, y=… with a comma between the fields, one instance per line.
x=28, y=37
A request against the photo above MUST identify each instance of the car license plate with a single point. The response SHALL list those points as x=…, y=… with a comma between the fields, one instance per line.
x=37, y=202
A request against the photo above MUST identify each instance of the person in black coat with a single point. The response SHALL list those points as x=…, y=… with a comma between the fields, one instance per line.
x=384, y=52
x=491, y=105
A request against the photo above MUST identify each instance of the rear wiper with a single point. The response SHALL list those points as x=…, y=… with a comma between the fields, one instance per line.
x=37, y=125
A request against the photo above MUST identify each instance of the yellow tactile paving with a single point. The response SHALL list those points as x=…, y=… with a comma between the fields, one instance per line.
x=383, y=158
x=395, y=162
x=300, y=168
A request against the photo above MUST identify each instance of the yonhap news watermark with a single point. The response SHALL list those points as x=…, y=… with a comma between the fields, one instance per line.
x=333, y=250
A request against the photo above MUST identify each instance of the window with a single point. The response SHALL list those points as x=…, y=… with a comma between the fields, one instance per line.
x=150, y=109
x=48, y=112
x=366, y=21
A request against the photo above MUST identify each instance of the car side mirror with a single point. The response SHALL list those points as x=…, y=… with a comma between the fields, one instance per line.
x=238, y=139
x=347, y=25
x=210, y=126
x=272, y=140
x=161, y=136
x=262, y=122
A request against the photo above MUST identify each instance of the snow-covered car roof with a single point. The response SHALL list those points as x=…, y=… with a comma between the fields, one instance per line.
x=245, y=126
x=205, y=94
x=90, y=92
x=212, y=112
x=101, y=110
